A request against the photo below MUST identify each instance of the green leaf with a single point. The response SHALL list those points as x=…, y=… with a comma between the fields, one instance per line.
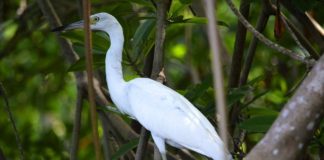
x=236, y=94
x=143, y=39
x=99, y=39
x=258, y=123
x=195, y=20
x=176, y=19
x=198, y=90
x=256, y=80
x=79, y=48
x=257, y=111
x=80, y=65
x=177, y=8
x=125, y=148
x=255, y=98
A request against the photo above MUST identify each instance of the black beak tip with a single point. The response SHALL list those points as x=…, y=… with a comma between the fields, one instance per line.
x=58, y=29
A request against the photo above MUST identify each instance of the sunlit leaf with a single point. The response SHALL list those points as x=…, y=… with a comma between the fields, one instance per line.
x=177, y=8
x=8, y=30
x=255, y=80
x=179, y=50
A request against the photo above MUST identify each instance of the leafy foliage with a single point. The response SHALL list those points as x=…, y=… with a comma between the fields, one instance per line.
x=42, y=90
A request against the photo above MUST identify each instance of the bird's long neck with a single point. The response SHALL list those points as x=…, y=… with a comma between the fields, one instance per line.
x=114, y=73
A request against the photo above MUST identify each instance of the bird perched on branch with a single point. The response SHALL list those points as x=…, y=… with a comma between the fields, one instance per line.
x=169, y=116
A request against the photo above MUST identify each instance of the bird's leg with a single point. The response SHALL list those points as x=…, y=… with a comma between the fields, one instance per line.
x=160, y=143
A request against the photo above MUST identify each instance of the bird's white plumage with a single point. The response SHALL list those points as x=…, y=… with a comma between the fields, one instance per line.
x=168, y=115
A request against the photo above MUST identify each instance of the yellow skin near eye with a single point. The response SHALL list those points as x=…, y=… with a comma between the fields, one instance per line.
x=94, y=20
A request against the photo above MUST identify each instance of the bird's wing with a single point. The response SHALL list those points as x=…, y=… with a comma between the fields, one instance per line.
x=157, y=106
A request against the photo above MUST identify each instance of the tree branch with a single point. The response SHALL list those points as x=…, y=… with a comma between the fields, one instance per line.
x=237, y=57
x=217, y=71
x=77, y=124
x=236, y=69
x=89, y=62
x=307, y=24
x=261, y=24
x=141, y=148
x=301, y=38
x=160, y=37
x=266, y=41
x=290, y=133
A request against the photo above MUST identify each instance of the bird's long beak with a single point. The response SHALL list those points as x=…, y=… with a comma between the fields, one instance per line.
x=74, y=25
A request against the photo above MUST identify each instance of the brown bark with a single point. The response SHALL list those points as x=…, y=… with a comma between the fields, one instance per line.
x=291, y=132
x=237, y=58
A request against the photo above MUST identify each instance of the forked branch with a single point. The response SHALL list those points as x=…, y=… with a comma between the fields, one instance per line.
x=266, y=41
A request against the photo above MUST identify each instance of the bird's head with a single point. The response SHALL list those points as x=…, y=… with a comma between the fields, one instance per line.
x=99, y=21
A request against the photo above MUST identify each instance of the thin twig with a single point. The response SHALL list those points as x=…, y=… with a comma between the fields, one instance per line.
x=77, y=124
x=237, y=58
x=294, y=37
x=301, y=39
x=236, y=68
x=141, y=148
x=312, y=31
x=266, y=41
x=160, y=37
x=261, y=24
x=89, y=62
x=217, y=71
x=107, y=136
x=12, y=120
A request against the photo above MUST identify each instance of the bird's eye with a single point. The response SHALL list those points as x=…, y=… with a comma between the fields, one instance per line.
x=96, y=19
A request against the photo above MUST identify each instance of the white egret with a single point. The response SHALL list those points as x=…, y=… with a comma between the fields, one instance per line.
x=169, y=116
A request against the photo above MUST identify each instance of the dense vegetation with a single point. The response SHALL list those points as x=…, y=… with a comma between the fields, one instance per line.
x=43, y=82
